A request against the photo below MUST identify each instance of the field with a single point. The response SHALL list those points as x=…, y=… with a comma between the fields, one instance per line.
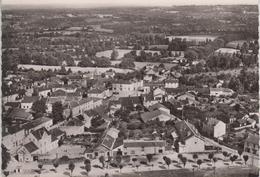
x=235, y=172
x=198, y=38
x=97, y=70
x=227, y=50
x=121, y=53
x=233, y=44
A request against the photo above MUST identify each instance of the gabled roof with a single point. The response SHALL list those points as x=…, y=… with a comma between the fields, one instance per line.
x=59, y=93
x=36, y=122
x=147, y=116
x=221, y=90
x=185, y=130
x=18, y=113
x=212, y=122
x=39, y=133
x=30, y=99
x=156, y=106
x=253, y=138
x=31, y=147
x=127, y=100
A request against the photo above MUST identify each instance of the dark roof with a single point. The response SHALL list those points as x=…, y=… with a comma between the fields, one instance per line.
x=30, y=99
x=59, y=93
x=55, y=133
x=31, y=147
x=253, y=138
x=156, y=106
x=138, y=143
x=185, y=130
x=125, y=101
x=75, y=122
x=13, y=104
x=39, y=133
x=36, y=122
x=18, y=113
x=108, y=141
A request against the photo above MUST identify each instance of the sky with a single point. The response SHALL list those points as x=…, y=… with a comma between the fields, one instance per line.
x=127, y=2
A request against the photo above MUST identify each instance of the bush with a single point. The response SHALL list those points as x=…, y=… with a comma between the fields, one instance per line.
x=64, y=158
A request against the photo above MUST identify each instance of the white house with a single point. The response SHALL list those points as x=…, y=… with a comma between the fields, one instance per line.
x=27, y=102
x=214, y=127
x=221, y=92
x=127, y=88
x=189, y=140
x=143, y=147
x=171, y=83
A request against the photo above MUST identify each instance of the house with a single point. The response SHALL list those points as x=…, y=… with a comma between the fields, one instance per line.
x=143, y=147
x=51, y=100
x=189, y=140
x=19, y=115
x=27, y=153
x=106, y=147
x=159, y=94
x=188, y=97
x=214, y=128
x=73, y=127
x=122, y=88
x=13, y=137
x=99, y=93
x=148, y=99
x=157, y=114
x=44, y=92
x=221, y=92
x=251, y=144
x=37, y=143
x=158, y=106
x=130, y=101
x=171, y=83
x=11, y=105
x=27, y=102
x=10, y=98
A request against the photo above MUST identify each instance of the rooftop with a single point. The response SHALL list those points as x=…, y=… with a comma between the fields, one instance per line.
x=144, y=143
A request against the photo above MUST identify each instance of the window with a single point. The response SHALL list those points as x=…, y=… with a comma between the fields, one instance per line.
x=160, y=151
x=142, y=148
x=132, y=152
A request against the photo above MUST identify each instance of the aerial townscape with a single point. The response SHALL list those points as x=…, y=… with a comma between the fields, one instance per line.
x=130, y=91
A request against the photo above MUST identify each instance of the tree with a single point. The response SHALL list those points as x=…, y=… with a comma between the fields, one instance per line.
x=102, y=161
x=225, y=154
x=127, y=63
x=240, y=152
x=40, y=167
x=88, y=167
x=184, y=160
x=232, y=159
x=55, y=165
x=149, y=157
x=5, y=157
x=118, y=159
x=210, y=156
x=215, y=160
x=134, y=160
x=71, y=167
x=179, y=156
x=195, y=156
x=245, y=157
x=120, y=167
x=57, y=112
x=199, y=162
x=114, y=55
x=39, y=106
x=167, y=160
